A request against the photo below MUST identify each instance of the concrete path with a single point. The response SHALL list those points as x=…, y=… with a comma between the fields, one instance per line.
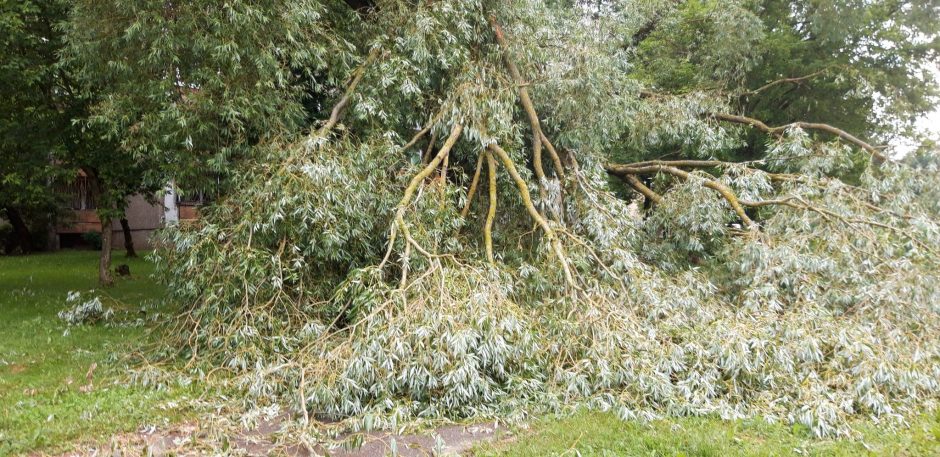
x=184, y=440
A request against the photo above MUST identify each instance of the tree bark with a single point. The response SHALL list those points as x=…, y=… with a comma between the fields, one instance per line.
x=104, y=263
x=128, y=240
x=21, y=235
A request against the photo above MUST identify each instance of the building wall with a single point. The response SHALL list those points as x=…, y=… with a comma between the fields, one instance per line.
x=142, y=217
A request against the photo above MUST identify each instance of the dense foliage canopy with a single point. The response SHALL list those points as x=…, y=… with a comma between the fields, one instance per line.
x=474, y=208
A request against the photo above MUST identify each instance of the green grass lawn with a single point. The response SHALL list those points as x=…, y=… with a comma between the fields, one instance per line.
x=599, y=434
x=43, y=366
x=45, y=401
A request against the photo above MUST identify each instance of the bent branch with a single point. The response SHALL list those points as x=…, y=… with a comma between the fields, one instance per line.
x=527, y=201
x=777, y=131
x=726, y=192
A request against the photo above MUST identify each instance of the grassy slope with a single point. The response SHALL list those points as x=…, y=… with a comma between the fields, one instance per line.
x=42, y=368
x=599, y=434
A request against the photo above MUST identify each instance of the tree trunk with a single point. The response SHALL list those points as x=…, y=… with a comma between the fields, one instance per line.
x=104, y=264
x=21, y=233
x=128, y=241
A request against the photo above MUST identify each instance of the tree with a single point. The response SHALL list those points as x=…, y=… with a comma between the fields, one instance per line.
x=33, y=123
x=46, y=135
x=787, y=267
x=116, y=178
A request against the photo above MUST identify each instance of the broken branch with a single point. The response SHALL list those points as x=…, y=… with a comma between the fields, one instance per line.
x=534, y=213
x=491, y=213
x=350, y=89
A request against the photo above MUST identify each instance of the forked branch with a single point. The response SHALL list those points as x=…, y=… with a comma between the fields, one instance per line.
x=428, y=169
x=538, y=136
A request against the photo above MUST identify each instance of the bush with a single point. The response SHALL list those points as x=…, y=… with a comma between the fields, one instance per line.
x=93, y=239
x=6, y=231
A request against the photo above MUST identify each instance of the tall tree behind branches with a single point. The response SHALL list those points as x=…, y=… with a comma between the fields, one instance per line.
x=35, y=123
x=45, y=131
x=195, y=85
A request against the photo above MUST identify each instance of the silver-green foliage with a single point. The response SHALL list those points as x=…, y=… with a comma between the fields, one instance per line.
x=826, y=311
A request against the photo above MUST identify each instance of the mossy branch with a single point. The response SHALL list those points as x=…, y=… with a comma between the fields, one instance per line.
x=491, y=212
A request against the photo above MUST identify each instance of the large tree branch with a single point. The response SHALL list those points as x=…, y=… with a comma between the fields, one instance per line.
x=538, y=136
x=638, y=185
x=777, y=131
x=530, y=207
x=623, y=171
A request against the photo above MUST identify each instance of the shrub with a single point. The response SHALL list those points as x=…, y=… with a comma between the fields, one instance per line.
x=93, y=239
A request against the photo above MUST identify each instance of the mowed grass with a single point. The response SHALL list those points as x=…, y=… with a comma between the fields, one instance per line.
x=46, y=399
x=602, y=434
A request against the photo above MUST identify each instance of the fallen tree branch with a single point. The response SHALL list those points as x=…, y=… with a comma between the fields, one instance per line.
x=534, y=213
x=622, y=171
x=643, y=189
x=344, y=100
x=491, y=212
x=413, y=185
x=801, y=204
x=538, y=136
x=777, y=131
x=682, y=163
